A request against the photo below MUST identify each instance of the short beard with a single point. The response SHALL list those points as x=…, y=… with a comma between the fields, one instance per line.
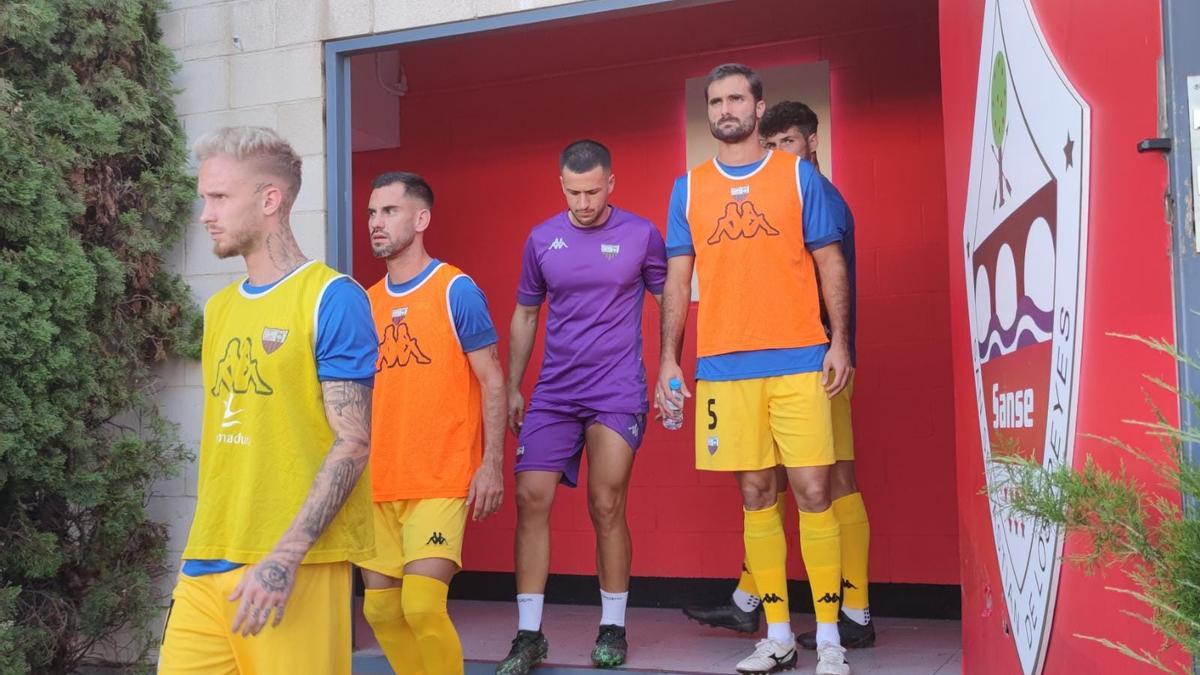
x=241, y=245
x=743, y=131
x=392, y=248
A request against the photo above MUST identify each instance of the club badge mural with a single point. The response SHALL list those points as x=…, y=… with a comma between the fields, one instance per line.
x=1024, y=242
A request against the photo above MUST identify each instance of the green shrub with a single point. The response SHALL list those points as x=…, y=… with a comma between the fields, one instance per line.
x=93, y=192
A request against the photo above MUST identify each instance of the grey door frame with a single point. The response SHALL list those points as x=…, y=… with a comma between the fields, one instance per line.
x=339, y=250
x=1181, y=58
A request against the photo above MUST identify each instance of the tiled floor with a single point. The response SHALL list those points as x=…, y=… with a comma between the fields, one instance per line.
x=664, y=641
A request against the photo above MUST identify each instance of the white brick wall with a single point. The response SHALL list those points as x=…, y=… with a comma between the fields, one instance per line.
x=259, y=62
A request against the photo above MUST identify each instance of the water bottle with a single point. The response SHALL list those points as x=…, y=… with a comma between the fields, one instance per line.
x=673, y=406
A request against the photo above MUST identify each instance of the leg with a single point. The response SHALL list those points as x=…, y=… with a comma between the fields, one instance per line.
x=851, y=514
x=610, y=462
x=314, y=636
x=535, y=497
x=766, y=546
x=383, y=599
x=433, y=537
x=196, y=638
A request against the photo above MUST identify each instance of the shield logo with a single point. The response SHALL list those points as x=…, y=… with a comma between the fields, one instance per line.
x=610, y=251
x=1025, y=236
x=398, y=315
x=272, y=339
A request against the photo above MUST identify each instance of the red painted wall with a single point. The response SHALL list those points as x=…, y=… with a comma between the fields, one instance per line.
x=1110, y=57
x=485, y=128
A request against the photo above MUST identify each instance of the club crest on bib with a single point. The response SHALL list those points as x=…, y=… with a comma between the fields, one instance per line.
x=1024, y=244
x=272, y=339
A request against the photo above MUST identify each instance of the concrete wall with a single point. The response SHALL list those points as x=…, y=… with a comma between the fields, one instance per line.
x=259, y=62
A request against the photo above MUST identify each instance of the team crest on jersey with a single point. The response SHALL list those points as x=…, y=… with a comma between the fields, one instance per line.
x=272, y=339
x=739, y=193
x=741, y=219
x=610, y=251
x=398, y=315
x=1024, y=236
x=712, y=445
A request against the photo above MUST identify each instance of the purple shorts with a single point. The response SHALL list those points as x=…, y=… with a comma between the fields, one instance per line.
x=552, y=437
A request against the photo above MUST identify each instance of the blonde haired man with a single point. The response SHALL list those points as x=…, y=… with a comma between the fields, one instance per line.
x=288, y=363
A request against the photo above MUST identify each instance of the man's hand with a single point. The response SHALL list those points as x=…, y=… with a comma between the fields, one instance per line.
x=667, y=371
x=516, y=411
x=264, y=588
x=836, y=370
x=487, y=491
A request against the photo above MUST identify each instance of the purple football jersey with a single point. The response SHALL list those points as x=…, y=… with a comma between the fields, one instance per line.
x=596, y=280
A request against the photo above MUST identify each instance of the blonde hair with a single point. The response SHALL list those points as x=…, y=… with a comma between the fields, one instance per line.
x=264, y=147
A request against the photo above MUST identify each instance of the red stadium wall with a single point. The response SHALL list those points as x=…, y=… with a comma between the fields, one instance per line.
x=1110, y=57
x=489, y=149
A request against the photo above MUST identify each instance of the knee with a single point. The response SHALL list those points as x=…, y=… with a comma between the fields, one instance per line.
x=532, y=501
x=812, y=496
x=424, y=611
x=758, y=495
x=382, y=607
x=843, y=482
x=607, y=509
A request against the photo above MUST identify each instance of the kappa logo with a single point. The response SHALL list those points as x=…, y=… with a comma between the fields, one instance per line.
x=237, y=371
x=846, y=584
x=1024, y=246
x=399, y=348
x=436, y=539
x=742, y=220
x=771, y=598
x=830, y=598
x=520, y=450
x=558, y=244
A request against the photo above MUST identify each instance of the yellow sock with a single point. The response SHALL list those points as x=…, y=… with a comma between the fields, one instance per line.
x=746, y=581
x=820, y=543
x=425, y=611
x=766, y=550
x=384, y=611
x=856, y=539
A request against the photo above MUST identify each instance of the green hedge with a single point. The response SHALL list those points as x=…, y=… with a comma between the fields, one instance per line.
x=93, y=192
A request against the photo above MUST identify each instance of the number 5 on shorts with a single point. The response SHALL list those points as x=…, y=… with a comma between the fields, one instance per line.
x=712, y=414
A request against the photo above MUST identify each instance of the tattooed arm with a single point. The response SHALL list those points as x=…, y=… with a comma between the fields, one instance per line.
x=268, y=583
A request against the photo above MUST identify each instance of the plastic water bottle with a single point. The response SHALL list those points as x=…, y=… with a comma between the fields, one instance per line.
x=673, y=406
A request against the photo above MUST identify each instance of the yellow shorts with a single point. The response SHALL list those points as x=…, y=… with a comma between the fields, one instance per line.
x=843, y=431
x=314, y=636
x=415, y=529
x=747, y=425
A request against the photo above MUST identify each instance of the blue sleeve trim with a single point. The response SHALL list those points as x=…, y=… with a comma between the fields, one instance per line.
x=368, y=382
x=347, y=347
x=679, y=232
x=673, y=251
x=200, y=568
x=469, y=309
x=472, y=343
x=823, y=242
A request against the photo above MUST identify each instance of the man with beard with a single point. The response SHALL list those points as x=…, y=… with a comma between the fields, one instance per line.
x=757, y=226
x=791, y=126
x=288, y=361
x=595, y=263
x=438, y=440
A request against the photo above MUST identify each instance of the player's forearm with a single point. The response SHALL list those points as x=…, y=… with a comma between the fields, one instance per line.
x=348, y=405
x=676, y=300
x=520, y=346
x=835, y=291
x=495, y=413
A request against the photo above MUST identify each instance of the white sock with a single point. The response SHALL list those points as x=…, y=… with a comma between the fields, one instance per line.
x=828, y=632
x=781, y=632
x=859, y=616
x=745, y=601
x=612, y=612
x=529, y=611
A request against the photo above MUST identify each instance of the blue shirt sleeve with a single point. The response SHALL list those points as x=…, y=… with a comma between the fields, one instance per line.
x=679, y=233
x=347, y=347
x=654, y=267
x=472, y=322
x=531, y=289
x=824, y=216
